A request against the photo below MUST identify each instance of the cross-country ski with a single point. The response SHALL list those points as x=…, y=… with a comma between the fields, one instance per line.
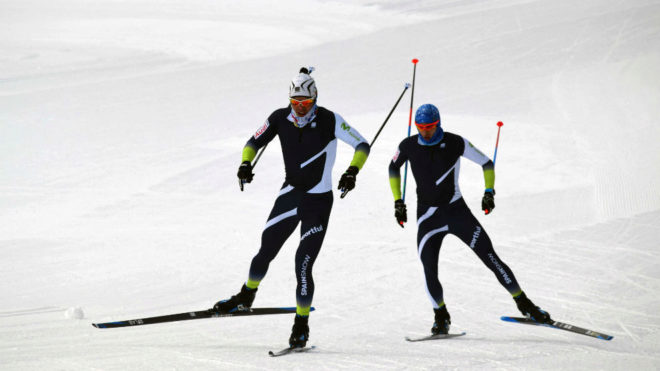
x=186, y=316
x=290, y=350
x=558, y=325
x=434, y=337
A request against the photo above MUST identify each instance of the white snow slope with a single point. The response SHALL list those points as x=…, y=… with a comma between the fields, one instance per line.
x=121, y=129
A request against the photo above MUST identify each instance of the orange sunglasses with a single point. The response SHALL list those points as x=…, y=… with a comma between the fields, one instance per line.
x=427, y=126
x=305, y=102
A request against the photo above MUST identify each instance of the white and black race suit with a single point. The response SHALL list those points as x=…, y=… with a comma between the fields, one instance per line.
x=441, y=209
x=306, y=195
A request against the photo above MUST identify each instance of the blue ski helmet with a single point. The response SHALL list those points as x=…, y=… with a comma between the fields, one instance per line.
x=427, y=114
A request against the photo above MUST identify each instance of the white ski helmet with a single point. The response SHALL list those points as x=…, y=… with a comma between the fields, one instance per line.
x=303, y=85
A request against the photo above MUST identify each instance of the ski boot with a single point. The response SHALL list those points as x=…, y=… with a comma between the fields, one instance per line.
x=527, y=308
x=240, y=302
x=299, y=332
x=442, y=321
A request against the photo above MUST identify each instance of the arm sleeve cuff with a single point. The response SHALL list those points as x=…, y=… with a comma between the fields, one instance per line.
x=360, y=156
x=249, y=153
x=489, y=177
x=395, y=184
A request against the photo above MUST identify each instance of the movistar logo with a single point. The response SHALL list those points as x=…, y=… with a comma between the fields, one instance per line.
x=345, y=127
x=475, y=148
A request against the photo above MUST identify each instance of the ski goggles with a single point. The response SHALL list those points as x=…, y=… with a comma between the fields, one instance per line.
x=428, y=126
x=304, y=102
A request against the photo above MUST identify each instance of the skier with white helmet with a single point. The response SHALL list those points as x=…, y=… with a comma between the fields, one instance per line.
x=308, y=136
x=434, y=157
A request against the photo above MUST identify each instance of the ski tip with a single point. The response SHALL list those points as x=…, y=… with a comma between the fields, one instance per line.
x=109, y=324
x=508, y=319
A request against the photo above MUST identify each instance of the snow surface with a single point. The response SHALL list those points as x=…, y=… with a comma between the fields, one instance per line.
x=121, y=128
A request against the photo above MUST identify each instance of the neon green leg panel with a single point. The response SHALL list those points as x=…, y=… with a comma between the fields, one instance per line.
x=252, y=284
x=302, y=311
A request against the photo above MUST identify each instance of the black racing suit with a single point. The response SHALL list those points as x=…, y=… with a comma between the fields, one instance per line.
x=441, y=208
x=306, y=195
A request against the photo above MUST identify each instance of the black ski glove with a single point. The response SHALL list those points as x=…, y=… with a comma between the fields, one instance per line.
x=488, y=202
x=400, y=212
x=244, y=174
x=347, y=181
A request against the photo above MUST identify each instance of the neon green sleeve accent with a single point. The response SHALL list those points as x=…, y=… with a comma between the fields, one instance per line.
x=489, y=178
x=395, y=184
x=359, y=158
x=248, y=153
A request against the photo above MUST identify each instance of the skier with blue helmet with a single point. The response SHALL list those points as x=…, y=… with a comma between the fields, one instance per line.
x=434, y=156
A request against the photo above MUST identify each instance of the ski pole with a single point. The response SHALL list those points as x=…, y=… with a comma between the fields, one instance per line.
x=241, y=182
x=345, y=191
x=497, y=142
x=390, y=114
x=412, y=96
x=258, y=156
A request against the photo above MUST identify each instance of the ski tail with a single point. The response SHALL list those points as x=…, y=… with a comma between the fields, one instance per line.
x=558, y=325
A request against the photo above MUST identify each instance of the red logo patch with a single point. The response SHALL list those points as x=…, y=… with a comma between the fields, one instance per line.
x=261, y=130
x=396, y=155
